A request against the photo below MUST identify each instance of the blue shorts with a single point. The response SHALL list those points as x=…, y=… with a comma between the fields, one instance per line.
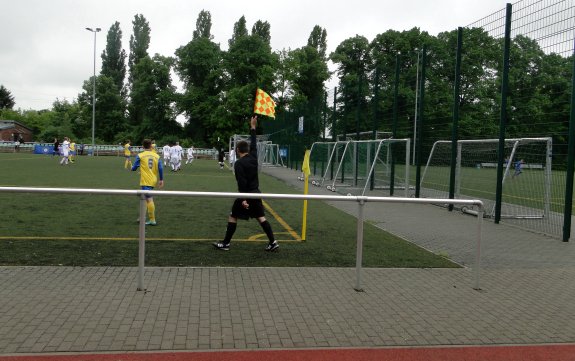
x=147, y=188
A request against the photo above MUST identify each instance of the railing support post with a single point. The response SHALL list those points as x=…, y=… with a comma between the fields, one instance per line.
x=142, y=243
x=477, y=267
x=359, y=250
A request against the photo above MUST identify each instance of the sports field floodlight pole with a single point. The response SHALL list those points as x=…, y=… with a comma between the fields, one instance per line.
x=95, y=31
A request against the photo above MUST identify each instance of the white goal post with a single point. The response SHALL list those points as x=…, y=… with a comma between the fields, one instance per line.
x=268, y=152
x=359, y=167
x=527, y=177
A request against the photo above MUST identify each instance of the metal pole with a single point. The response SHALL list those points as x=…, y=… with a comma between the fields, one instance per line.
x=94, y=97
x=142, y=243
x=325, y=109
x=357, y=121
x=567, y=211
x=359, y=249
x=375, y=118
x=95, y=30
x=334, y=128
x=503, y=114
x=394, y=125
x=477, y=269
x=416, y=106
x=421, y=119
x=455, y=123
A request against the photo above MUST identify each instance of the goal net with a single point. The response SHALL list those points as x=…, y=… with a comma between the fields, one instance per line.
x=526, y=178
x=364, y=136
x=359, y=167
x=268, y=152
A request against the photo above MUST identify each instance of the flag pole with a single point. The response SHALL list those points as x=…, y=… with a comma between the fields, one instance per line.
x=304, y=222
x=306, y=171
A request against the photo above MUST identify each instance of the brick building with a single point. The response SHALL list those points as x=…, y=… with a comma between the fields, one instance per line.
x=10, y=130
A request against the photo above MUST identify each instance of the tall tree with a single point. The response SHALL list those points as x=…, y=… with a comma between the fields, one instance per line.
x=114, y=57
x=110, y=109
x=353, y=61
x=249, y=63
x=479, y=92
x=283, y=77
x=318, y=40
x=6, y=98
x=199, y=65
x=240, y=30
x=139, y=41
x=154, y=96
x=203, y=26
x=262, y=29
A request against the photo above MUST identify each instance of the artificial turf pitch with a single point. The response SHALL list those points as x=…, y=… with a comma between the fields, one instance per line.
x=101, y=230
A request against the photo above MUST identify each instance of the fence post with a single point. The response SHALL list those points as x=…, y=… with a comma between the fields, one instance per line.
x=334, y=127
x=359, y=249
x=503, y=114
x=477, y=267
x=394, y=125
x=419, y=135
x=142, y=242
x=567, y=212
x=375, y=116
x=455, y=124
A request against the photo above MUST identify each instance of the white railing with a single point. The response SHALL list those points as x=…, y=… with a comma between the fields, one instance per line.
x=361, y=200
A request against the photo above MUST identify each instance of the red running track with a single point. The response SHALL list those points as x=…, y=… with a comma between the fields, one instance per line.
x=554, y=352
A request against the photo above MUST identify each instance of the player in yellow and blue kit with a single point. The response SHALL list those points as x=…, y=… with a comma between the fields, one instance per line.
x=128, y=155
x=72, y=151
x=151, y=173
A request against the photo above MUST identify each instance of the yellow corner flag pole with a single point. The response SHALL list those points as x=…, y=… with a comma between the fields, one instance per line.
x=306, y=171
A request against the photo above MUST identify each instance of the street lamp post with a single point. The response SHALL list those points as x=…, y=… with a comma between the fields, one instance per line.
x=96, y=30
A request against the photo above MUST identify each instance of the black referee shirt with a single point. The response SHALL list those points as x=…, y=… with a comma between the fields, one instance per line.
x=246, y=168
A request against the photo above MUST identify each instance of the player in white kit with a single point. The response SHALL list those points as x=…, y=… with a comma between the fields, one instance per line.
x=176, y=153
x=65, y=151
x=190, y=155
x=166, y=154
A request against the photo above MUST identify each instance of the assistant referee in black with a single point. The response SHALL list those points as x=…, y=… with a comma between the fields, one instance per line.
x=246, y=171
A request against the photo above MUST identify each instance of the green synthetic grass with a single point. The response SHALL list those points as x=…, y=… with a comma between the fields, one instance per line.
x=98, y=230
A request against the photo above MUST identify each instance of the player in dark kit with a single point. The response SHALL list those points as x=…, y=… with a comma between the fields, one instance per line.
x=246, y=171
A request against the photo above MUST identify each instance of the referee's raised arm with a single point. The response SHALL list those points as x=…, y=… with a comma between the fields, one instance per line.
x=253, y=140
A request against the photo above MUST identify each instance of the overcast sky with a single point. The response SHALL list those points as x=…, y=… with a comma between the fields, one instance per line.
x=46, y=53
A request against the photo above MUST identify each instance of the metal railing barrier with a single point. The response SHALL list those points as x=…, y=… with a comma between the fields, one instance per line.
x=361, y=201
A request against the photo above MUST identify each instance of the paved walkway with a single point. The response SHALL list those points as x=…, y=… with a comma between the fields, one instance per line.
x=526, y=298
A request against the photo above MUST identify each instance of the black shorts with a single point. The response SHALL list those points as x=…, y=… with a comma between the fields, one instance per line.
x=255, y=209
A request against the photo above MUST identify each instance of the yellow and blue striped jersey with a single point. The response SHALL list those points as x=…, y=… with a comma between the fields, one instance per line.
x=127, y=151
x=151, y=169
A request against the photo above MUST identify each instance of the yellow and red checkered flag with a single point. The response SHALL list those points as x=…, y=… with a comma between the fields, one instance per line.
x=264, y=104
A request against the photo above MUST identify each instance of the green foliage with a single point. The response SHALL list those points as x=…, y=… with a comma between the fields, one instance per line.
x=262, y=29
x=114, y=57
x=139, y=42
x=353, y=59
x=240, y=30
x=153, y=97
x=6, y=98
x=203, y=26
x=318, y=40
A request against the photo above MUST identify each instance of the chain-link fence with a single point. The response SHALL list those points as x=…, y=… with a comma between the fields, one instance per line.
x=505, y=78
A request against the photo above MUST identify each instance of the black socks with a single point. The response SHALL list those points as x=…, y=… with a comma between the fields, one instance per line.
x=268, y=229
x=229, y=232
